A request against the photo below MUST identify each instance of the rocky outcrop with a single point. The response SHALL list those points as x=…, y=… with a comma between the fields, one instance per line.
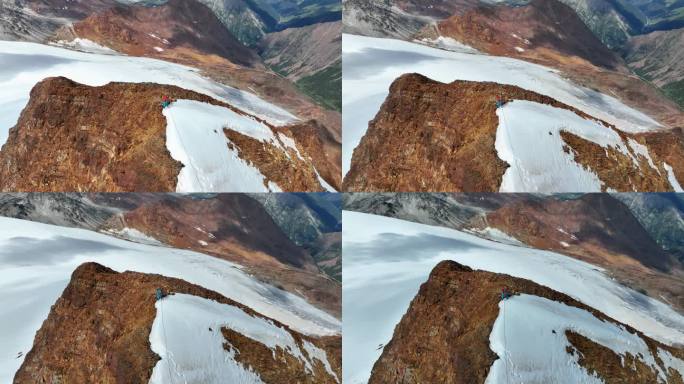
x=444, y=335
x=322, y=148
x=112, y=138
x=186, y=32
x=99, y=329
x=441, y=137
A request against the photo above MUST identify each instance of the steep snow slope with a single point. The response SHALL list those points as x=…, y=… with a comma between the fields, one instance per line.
x=186, y=334
x=390, y=258
x=538, y=161
x=194, y=136
x=372, y=64
x=36, y=261
x=25, y=64
x=529, y=337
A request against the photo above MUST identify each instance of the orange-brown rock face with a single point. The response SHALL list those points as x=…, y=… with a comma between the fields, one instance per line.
x=444, y=335
x=73, y=137
x=98, y=332
x=430, y=136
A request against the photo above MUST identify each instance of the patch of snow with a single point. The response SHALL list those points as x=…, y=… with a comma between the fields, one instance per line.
x=521, y=50
x=370, y=65
x=529, y=338
x=158, y=49
x=289, y=143
x=564, y=244
x=195, y=137
x=448, y=44
x=316, y=353
x=186, y=333
x=672, y=178
x=385, y=261
x=134, y=235
x=85, y=45
x=203, y=243
x=37, y=260
x=25, y=64
x=670, y=361
x=642, y=150
x=528, y=139
x=496, y=234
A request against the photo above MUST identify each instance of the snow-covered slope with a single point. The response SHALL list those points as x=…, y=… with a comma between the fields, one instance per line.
x=385, y=260
x=528, y=139
x=25, y=64
x=36, y=262
x=186, y=334
x=372, y=64
x=529, y=338
x=194, y=136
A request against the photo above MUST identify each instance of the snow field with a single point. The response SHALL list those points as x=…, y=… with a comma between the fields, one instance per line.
x=529, y=338
x=386, y=260
x=36, y=262
x=372, y=64
x=25, y=64
x=194, y=136
x=187, y=335
x=528, y=139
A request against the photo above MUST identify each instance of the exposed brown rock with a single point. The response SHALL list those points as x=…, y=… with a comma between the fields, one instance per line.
x=285, y=168
x=430, y=136
x=205, y=45
x=73, y=137
x=98, y=330
x=444, y=335
x=322, y=147
x=603, y=362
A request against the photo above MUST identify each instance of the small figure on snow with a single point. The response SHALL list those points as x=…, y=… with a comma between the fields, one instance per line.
x=160, y=294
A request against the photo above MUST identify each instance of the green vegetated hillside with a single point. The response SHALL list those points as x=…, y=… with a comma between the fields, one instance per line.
x=325, y=86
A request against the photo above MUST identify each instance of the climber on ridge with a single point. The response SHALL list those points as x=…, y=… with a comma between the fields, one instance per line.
x=505, y=293
x=500, y=101
x=166, y=101
x=159, y=294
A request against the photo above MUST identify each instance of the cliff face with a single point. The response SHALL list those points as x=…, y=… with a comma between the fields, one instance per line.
x=112, y=138
x=441, y=137
x=445, y=334
x=99, y=331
